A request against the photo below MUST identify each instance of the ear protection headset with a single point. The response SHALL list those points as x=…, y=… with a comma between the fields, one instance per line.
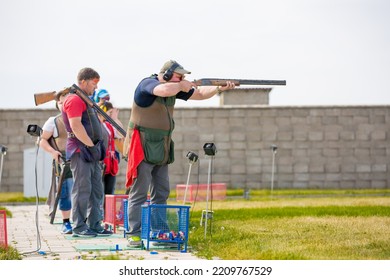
x=169, y=73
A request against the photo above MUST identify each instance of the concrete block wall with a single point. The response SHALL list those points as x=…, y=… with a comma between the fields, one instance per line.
x=245, y=96
x=318, y=147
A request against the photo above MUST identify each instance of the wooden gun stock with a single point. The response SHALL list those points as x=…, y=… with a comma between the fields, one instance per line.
x=238, y=82
x=41, y=98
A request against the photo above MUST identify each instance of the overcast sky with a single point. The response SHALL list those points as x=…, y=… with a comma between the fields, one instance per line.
x=330, y=52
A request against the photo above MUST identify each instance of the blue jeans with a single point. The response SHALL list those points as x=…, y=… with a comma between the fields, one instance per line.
x=66, y=195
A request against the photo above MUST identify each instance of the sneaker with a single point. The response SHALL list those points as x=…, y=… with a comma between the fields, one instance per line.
x=103, y=232
x=134, y=241
x=85, y=233
x=66, y=228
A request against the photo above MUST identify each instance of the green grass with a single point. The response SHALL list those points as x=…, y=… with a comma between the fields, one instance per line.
x=17, y=197
x=267, y=194
x=304, y=228
x=295, y=239
x=317, y=211
x=9, y=253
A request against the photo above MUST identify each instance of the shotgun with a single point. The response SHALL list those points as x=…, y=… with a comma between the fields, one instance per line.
x=60, y=177
x=76, y=90
x=238, y=82
x=43, y=97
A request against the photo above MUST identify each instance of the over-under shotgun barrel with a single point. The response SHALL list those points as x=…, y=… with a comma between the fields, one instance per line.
x=238, y=82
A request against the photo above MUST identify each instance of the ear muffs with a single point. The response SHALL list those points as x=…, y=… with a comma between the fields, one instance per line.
x=169, y=73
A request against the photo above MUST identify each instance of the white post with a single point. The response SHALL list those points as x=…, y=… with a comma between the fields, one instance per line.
x=207, y=198
x=1, y=168
x=188, y=180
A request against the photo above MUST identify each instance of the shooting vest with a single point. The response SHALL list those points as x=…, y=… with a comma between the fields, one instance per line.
x=155, y=124
x=59, y=142
x=92, y=125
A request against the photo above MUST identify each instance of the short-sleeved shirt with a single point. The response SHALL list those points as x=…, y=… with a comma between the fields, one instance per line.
x=144, y=96
x=51, y=127
x=73, y=107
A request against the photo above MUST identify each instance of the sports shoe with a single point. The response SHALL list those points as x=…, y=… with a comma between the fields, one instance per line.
x=66, y=228
x=87, y=233
x=134, y=241
x=103, y=232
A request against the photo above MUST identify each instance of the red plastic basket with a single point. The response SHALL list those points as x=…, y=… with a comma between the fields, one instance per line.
x=114, y=210
x=3, y=228
x=199, y=192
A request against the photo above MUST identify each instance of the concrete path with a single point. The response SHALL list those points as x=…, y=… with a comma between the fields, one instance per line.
x=30, y=232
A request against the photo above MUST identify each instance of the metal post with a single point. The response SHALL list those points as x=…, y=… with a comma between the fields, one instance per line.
x=274, y=151
x=1, y=168
x=210, y=150
x=3, y=150
x=207, y=197
x=192, y=157
x=188, y=180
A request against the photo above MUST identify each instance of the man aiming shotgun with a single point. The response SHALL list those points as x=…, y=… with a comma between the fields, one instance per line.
x=151, y=148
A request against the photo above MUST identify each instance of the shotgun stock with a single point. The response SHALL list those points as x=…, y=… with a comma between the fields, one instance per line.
x=43, y=97
x=238, y=82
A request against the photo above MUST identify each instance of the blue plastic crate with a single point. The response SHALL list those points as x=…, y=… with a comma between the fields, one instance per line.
x=125, y=217
x=165, y=224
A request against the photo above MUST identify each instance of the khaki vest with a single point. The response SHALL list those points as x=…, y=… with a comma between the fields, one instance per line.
x=59, y=142
x=155, y=124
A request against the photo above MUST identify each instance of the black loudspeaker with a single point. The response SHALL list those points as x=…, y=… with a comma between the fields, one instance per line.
x=169, y=73
x=210, y=149
x=34, y=130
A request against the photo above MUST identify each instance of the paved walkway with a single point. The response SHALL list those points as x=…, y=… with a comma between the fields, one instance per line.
x=50, y=244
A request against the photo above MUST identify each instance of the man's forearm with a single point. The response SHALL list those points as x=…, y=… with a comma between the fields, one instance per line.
x=44, y=144
x=167, y=89
x=205, y=92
